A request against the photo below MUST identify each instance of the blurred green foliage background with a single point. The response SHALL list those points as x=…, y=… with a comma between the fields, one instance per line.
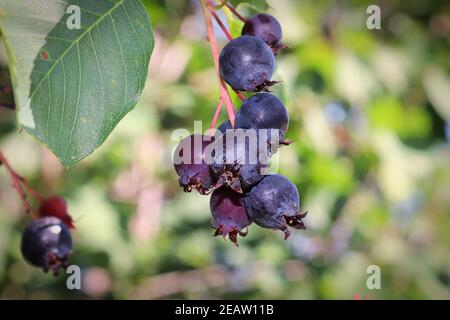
x=370, y=120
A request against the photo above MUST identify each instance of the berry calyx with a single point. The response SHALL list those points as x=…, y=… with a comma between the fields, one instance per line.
x=238, y=161
x=47, y=243
x=265, y=27
x=190, y=161
x=56, y=207
x=247, y=64
x=274, y=203
x=229, y=214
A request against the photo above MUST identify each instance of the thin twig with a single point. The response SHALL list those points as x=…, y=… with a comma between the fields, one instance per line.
x=215, y=53
x=221, y=25
x=240, y=95
x=235, y=12
x=16, y=181
x=216, y=113
x=33, y=192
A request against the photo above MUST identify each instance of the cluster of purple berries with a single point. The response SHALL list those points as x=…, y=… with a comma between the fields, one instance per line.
x=219, y=163
x=47, y=242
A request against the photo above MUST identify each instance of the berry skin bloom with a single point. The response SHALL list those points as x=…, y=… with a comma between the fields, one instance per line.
x=229, y=214
x=47, y=243
x=56, y=207
x=274, y=203
x=263, y=111
x=190, y=162
x=265, y=27
x=247, y=64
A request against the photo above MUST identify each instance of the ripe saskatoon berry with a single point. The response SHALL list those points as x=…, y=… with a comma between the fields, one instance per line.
x=56, y=207
x=263, y=111
x=229, y=214
x=265, y=27
x=238, y=161
x=275, y=204
x=191, y=165
x=247, y=64
x=47, y=243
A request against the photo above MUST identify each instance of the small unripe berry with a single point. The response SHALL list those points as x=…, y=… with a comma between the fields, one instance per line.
x=56, y=207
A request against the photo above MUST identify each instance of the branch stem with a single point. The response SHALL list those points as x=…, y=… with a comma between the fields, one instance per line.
x=216, y=113
x=221, y=25
x=240, y=95
x=215, y=53
x=235, y=12
x=18, y=183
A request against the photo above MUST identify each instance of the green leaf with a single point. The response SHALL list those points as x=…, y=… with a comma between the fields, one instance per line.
x=73, y=86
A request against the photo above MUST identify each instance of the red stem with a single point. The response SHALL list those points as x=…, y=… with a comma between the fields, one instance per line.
x=18, y=182
x=221, y=25
x=215, y=53
x=33, y=192
x=237, y=14
x=240, y=95
x=216, y=114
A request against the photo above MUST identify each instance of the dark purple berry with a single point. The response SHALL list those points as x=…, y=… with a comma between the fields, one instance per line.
x=247, y=64
x=224, y=126
x=239, y=161
x=229, y=215
x=47, y=243
x=191, y=163
x=263, y=111
x=274, y=203
x=265, y=27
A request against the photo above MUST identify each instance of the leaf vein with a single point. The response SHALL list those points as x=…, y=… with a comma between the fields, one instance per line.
x=124, y=64
x=63, y=105
x=77, y=104
x=134, y=29
x=49, y=108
